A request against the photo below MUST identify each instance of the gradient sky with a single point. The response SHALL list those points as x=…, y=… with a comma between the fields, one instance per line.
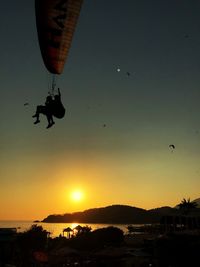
x=129, y=160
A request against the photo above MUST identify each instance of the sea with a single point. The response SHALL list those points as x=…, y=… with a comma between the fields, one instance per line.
x=56, y=229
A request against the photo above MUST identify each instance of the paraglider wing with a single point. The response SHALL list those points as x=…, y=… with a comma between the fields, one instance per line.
x=172, y=146
x=56, y=21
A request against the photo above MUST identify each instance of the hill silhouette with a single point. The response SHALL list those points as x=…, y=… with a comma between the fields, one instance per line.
x=115, y=214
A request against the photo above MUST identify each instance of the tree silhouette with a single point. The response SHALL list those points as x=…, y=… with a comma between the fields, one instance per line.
x=86, y=229
x=78, y=228
x=82, y=229
x=33, y=240
x=186, y=206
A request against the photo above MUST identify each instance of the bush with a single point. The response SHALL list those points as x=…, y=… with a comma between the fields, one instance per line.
x=33, y=239
x=98, y=238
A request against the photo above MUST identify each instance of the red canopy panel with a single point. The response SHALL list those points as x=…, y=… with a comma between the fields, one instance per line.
x=56, y=22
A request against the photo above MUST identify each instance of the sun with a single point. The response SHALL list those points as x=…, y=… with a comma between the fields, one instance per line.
x=76, y=195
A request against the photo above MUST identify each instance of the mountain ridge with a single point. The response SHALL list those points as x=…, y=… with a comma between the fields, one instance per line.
x=117, y=214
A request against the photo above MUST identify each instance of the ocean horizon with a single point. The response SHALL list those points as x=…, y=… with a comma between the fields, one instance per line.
x=56, y=229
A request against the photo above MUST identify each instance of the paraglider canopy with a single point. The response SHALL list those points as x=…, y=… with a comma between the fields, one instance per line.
x=56, y=21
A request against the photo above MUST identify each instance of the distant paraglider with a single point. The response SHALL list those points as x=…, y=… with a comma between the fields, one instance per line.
x=172, y=147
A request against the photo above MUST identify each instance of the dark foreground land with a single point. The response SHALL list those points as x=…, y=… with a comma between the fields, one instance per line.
x=105, y=247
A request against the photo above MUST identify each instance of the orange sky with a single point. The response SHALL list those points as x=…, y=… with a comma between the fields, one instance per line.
x=147, y=181
x=113, y=143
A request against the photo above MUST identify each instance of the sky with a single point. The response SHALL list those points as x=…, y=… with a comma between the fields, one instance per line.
x=113, y=143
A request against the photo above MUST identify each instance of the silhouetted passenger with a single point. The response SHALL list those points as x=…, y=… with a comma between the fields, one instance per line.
x=45, y=110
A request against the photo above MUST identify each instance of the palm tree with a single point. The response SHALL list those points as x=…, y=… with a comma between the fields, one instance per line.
x=186, y=206
x=86, y=229
x=78, y=228
x=82, y=229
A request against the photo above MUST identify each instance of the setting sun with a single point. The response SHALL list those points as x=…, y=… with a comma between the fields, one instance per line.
x=76, y=195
